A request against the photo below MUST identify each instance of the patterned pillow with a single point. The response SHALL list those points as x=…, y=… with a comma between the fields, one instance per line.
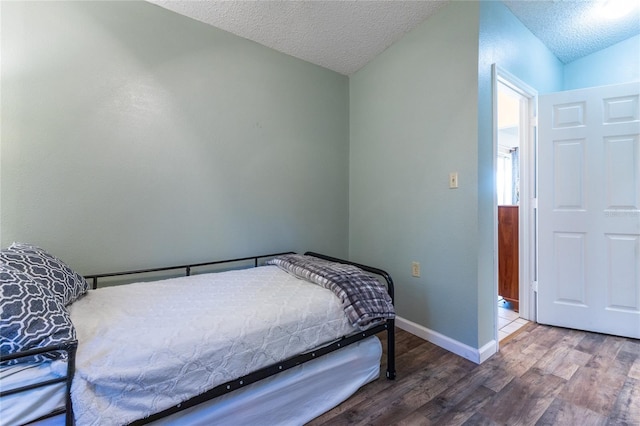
x=30, y=316
x=47, y=270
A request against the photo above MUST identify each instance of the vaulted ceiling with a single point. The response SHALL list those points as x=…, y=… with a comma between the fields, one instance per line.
x=345, y=35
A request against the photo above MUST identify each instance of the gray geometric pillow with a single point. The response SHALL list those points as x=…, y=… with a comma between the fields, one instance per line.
x=47, y=270
x=30, y=315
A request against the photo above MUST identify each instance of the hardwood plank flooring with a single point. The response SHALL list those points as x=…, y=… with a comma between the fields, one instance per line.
x=541, y=376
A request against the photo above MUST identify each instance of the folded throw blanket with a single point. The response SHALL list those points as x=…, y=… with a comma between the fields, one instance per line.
x=364, y=299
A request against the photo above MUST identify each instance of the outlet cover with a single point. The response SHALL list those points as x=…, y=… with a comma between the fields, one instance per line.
x=415, y=269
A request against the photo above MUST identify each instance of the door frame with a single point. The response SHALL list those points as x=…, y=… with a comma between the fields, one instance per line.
x=527, y=233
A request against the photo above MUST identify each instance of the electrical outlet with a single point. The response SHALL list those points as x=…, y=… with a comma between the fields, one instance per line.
x=453, y=180
x=415, y=269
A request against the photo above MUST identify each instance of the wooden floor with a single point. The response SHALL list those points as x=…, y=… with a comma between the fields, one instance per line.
x=542, y=376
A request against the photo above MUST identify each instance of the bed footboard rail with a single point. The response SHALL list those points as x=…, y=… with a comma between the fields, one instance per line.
x=70, y=349
x=391, y=345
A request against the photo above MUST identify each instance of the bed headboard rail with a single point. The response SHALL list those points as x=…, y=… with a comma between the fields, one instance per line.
x=371, y=269
x=187, y=267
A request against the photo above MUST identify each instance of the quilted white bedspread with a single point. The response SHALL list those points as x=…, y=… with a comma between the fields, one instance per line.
x=145, y=347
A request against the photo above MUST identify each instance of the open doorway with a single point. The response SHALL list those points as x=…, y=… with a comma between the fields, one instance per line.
x=510, y=104
x=514, y=130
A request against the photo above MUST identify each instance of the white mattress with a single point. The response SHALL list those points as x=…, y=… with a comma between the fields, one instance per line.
x=139, y=353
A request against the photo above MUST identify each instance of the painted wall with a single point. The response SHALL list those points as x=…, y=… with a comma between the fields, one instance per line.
x=617, y=64
x=132, y=136
x=413, y=113
x=505, y=41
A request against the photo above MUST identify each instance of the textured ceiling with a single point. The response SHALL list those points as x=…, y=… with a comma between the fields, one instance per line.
x=576, y=28
x=340, y=35
x=344, y=35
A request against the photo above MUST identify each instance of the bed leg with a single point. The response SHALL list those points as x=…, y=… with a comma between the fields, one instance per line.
x=391, y=350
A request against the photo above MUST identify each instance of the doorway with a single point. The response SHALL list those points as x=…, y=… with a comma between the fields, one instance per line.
x=515, y=148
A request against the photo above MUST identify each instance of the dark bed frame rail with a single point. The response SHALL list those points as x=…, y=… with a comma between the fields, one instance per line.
x=391, y=341
x=187, y=268
x=70, y=349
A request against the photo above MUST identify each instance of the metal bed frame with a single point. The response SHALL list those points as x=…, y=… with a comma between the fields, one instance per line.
x=388, y=326
x=70, y=349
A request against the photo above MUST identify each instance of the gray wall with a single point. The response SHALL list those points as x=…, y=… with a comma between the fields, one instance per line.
x=413, y=120
x=132, y=136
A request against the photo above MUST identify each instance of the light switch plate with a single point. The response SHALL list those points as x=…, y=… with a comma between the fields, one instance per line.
x=453, y=180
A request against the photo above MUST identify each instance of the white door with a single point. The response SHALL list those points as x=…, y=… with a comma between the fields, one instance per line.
x=589, y=209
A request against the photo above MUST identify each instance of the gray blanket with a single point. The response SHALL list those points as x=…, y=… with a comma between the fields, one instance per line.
x=364, y=299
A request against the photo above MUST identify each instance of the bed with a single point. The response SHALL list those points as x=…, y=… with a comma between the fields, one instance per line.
x=279, y=342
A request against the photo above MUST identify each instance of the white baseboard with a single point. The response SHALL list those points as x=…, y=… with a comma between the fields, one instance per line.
x=472, y=354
